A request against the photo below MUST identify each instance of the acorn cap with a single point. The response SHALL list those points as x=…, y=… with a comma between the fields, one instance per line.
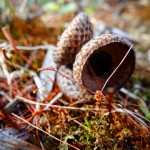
x=73, y=38
x=68, y=87
x=99, y=58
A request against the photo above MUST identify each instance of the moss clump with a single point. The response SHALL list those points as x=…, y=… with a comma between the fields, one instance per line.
x=101, y=132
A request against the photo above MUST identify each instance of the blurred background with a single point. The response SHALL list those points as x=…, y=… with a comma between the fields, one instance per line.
x=36, y=26
x=47, y=19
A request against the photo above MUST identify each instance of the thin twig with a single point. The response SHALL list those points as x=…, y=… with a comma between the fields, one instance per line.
x=133, y=114
x=11, y=40
x=141, y=102
x=116, y=68
x=54, y=100
x=54, y=69
x=56, y=106
x=43, y=131
x=44, y=47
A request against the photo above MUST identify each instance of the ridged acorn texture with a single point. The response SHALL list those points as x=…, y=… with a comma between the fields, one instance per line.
x=68, y=87
x=73, y=38
x=99, y=58
x=94, y=59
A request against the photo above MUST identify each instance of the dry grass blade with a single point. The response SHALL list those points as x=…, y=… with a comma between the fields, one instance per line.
x=116, y=68
x=9, y=38
x=12, y=42
x=43, y=131
x=57, y=106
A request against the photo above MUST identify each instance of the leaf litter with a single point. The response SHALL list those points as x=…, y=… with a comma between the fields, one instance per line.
x=49, y=120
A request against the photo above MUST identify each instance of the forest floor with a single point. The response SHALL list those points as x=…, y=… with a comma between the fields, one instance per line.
x=36, y=114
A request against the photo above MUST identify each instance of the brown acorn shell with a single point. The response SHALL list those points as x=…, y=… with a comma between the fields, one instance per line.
x=73, y=38
x=68, y=87
x=97, y=60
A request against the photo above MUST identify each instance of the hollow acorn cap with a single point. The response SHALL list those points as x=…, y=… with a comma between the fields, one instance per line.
x=68, y=87
x=99, y=58
x=76, y=35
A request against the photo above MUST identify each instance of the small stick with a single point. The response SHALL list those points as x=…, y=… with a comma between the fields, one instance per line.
x=9, y=38
x=44, y=131
x=8, y=118
x=54, y=69
x=12, y=42
x=116, y=68
x=57, y=106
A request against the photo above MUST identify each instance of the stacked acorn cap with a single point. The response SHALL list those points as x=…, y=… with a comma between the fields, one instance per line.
x=93, y=59
x=73, y=38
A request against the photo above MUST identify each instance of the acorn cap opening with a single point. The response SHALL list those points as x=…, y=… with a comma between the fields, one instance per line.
x=103, y=61
x=98, y=58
